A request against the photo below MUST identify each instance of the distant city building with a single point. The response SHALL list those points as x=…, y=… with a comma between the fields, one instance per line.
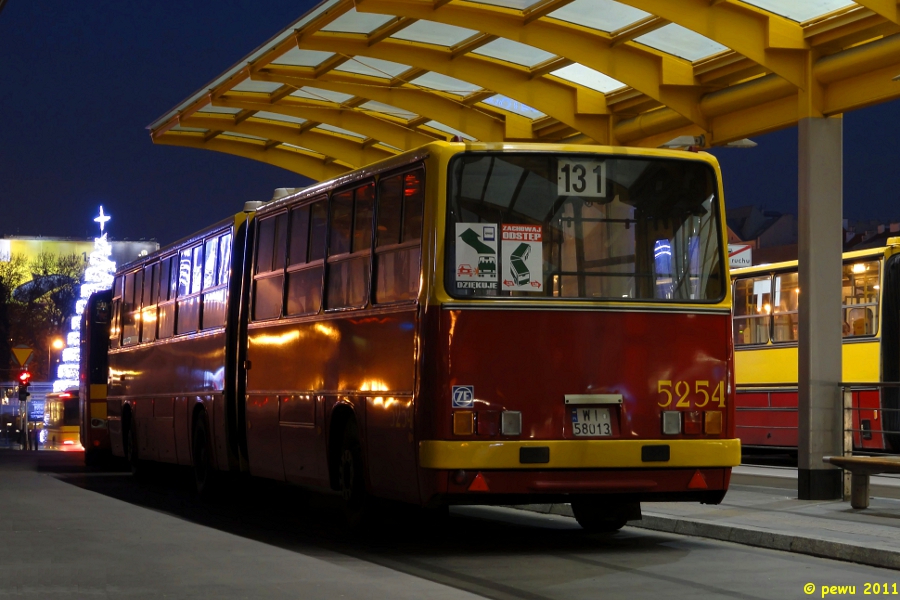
x=123, y=251
x=771, y=234
x=100, y=255
x=773, y=237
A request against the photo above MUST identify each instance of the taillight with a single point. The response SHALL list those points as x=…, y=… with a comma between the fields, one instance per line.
x=468, y=422
x=712, y=424
x=693, y=422
x=671, y=422
x=511, y=422
x=463, y=422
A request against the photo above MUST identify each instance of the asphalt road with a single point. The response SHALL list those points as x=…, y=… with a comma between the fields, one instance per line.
x=72, y=533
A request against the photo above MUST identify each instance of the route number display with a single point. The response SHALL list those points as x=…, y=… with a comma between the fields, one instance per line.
x=581, y=178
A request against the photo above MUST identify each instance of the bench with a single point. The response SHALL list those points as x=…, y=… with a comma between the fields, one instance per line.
x=861, y=467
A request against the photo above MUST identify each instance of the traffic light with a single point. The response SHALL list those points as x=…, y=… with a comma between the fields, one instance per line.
x=24, y=380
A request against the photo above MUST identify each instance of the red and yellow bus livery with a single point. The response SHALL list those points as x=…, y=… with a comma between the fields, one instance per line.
x=766, y=361
x=461, y=324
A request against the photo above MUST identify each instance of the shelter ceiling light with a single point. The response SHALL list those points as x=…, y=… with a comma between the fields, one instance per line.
x=699, y=141
x=684, y=141
x=744, y=143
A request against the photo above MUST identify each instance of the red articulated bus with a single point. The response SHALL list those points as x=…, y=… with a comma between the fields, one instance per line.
x=93, y=374
x=460, y=324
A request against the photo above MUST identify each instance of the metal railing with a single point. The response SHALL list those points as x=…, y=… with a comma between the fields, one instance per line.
x=889, y=447
x=853, y=422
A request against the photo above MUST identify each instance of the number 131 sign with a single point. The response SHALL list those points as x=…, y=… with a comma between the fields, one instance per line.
x=581, y=178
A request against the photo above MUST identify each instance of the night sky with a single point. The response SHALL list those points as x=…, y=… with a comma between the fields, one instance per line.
x=80, y=81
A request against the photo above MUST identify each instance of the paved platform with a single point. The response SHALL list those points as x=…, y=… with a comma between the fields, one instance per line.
x=771, y=516
x=761, y=509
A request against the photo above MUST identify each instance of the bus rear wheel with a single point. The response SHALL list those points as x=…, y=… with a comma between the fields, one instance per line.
x=131, y=449
x=92, y=457
x=201, y=457
x=599, y=515
x=351, y=480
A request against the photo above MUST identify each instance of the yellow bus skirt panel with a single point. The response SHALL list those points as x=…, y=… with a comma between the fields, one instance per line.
x=766, y=365
x=778, y=364
x=862, y=362
x=577, y=454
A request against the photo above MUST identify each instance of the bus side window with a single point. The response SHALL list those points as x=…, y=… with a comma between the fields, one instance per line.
x=399, y=234
x=752, y=307
x=224, y=259
x=304, y=273
x=860, y=292
x=168, y=284
x=215, y=281
x=268, y=280
x=210, y=255
x=189, y=273
x=785, y=307
x=413, y=205
x=148, y=313
x=115, y=324
x=131, y=308
x=350, y=248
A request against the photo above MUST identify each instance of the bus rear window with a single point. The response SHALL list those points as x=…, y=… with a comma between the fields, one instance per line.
x=583, y=226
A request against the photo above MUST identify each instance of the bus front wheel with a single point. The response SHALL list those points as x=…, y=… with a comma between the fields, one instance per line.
x=598, y=515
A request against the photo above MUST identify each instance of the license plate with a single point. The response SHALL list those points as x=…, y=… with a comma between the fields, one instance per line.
x=591, y=422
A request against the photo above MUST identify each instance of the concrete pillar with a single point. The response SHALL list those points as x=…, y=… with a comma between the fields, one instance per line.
x=820, y=245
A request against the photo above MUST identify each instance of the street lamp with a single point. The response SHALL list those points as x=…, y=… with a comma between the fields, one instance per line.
x=56, y=344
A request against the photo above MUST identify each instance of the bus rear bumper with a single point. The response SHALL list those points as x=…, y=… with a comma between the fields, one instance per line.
x=706, y=485
x=578, y=454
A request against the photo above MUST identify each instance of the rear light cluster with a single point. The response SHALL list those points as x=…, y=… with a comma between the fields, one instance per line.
x=693, y=422
x=487, y=422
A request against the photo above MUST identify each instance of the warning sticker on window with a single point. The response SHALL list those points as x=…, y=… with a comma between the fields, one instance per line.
x=522, y=259
x=476, y=255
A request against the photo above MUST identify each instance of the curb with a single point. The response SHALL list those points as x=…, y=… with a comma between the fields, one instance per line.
x=750, y=536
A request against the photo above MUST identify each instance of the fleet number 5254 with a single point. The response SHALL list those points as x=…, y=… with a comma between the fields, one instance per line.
x=697, y=395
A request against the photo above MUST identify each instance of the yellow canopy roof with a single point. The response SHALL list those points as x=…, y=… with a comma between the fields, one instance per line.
x=350, y=82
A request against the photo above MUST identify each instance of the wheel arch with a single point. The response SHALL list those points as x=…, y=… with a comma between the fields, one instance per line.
x=198, y=415
x=341, y=415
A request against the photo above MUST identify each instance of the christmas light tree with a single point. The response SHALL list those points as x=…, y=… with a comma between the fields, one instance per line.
x=98, y=275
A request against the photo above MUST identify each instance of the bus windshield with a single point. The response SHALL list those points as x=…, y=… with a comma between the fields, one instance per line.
x=583, y=226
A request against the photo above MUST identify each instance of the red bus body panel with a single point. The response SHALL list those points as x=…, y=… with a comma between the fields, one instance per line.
x=302, y=371
x=770, y=419
x=528, y=360
x=162, y=399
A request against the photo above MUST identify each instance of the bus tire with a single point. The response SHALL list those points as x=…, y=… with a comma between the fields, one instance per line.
x=205, y=476
x=351, y=477
x=597, y=515
x=92, y=457
x=130, y=440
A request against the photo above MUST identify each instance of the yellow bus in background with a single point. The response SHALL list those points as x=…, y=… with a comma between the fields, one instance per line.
x=766, y=301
